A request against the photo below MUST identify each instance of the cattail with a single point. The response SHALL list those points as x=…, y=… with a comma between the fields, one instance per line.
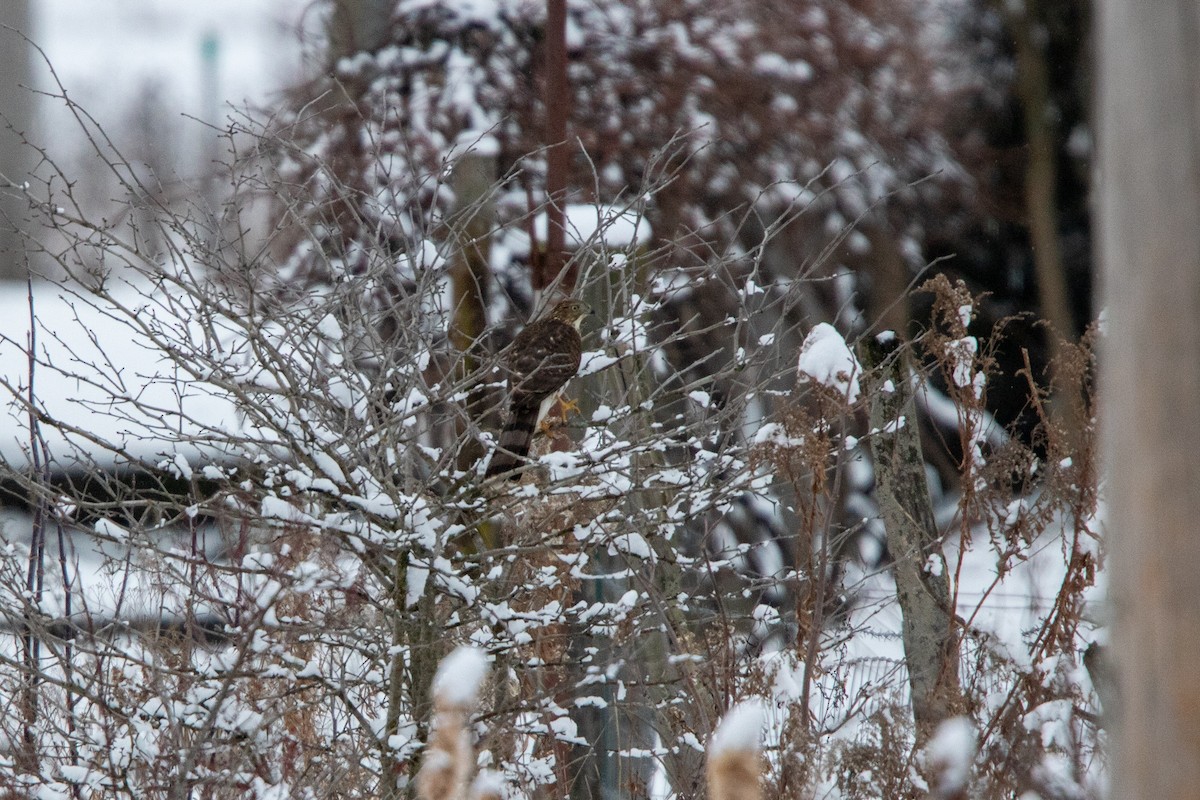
x=489, y=785
x=949, y=756
x=449, y=758
x=734, y=760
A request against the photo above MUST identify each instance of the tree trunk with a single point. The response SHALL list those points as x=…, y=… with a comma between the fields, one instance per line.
x=922, y=589
x=1148, y=239
x=474, y=183
x=1041, y=202
x=16, y=110
x=891, y=281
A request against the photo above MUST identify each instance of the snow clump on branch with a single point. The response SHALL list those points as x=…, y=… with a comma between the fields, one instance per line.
x=826, y=359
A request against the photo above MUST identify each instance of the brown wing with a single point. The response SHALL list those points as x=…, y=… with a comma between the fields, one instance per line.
x=542, y=359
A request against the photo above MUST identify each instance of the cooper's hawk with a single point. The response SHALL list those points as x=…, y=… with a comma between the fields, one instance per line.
x=540, y=361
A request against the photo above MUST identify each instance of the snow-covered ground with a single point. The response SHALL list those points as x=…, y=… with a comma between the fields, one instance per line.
x=91, y=364
x=142, y=69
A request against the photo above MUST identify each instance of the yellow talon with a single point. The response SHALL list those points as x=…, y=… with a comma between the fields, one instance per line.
x=557, y=415
x=567, y=406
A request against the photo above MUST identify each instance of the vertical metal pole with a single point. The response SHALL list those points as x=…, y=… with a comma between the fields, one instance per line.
x=558, y=161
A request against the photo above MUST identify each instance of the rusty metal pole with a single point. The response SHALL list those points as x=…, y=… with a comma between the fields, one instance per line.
x=557, y=104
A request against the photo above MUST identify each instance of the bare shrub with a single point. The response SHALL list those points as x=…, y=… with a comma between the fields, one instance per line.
x=254, y=534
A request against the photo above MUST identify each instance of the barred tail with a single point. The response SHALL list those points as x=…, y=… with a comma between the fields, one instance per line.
x=514, y=442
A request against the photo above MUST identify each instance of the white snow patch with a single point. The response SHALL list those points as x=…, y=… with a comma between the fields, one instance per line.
x=565, y=730
x=111, y=530
x=99, y=372
x=594, y=361
x=598, y=226
x=944, y=411
x=416, y=576
x=961, y=353
x=182, y=467
x=633, y=544
x=826, y=359
x=775, y=434
x=481, y=143
x=1052, y=720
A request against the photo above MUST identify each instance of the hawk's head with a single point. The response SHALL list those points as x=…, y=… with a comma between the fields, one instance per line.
x=570, y=311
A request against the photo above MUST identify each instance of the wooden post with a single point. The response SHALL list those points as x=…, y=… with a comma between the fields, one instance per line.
x=1148, y=239
x=473, y=180
x=358, y=26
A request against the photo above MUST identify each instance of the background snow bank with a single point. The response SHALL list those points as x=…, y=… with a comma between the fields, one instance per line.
x=96, y=374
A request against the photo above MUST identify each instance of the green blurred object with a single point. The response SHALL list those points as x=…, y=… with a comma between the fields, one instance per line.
x=210, y=47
